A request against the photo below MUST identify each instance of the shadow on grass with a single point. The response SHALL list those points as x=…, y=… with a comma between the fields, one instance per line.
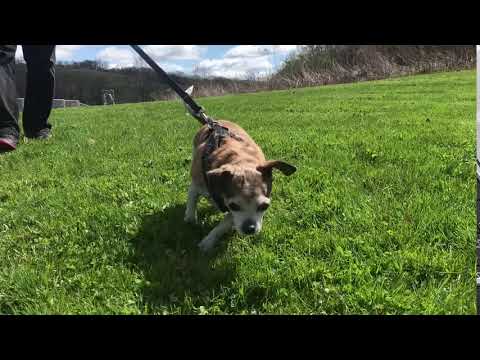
x=176, y=272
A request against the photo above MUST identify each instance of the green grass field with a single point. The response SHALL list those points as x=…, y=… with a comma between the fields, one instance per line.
x=378, y=219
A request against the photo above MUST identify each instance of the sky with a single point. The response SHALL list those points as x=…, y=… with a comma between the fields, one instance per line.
x=231, y=61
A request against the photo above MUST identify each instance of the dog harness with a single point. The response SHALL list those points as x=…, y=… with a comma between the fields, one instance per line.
x=216, y=135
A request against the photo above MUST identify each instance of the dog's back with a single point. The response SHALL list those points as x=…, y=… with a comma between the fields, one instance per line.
x=240, y=150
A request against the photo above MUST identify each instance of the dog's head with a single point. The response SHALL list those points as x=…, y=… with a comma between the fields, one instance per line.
x=246, y=192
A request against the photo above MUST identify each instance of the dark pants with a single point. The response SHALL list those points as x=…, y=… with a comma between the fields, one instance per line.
x=40, y=88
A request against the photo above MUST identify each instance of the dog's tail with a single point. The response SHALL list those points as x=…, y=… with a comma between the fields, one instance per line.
x=189, y=91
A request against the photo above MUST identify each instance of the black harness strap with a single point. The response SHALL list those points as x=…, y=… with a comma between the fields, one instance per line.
x=217, y=134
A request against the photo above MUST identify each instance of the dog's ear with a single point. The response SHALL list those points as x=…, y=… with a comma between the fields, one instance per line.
x=285, y=168
x=189, y=91
x=219, y=178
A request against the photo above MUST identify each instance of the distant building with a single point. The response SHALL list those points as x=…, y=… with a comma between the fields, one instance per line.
x=57, y=103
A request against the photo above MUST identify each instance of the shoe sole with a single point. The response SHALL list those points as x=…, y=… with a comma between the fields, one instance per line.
x=7, y=145
x=38, y=137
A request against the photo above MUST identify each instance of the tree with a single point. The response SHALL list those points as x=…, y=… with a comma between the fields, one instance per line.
x=140, y=76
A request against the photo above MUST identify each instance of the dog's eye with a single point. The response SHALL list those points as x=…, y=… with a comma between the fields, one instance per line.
x=263, y=207
x=234, y=207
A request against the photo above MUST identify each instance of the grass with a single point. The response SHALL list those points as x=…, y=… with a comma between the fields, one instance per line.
x=379, y=218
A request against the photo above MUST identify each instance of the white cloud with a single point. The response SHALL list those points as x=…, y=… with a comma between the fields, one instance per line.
x=243, y=60
x=242, y=51
x=117, y=57
x=237, y=67
x=238, y=62
x=66, y=52
x=62, y=52
x=174, y=52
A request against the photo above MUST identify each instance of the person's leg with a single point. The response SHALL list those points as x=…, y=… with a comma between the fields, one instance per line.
x=40, y=89
x=9, y=131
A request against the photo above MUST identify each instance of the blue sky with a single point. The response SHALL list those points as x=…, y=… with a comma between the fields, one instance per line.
x=232, y=61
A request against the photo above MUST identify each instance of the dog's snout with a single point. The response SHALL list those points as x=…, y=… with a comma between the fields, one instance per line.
x=249, y=227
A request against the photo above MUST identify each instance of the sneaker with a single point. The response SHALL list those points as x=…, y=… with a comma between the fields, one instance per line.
x=42, y=134
x=8, y=143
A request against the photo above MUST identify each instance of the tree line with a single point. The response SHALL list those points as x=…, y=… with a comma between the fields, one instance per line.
x=86, y=80
x=314, y=65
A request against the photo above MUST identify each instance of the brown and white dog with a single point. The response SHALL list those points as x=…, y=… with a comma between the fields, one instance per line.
x=239, y=175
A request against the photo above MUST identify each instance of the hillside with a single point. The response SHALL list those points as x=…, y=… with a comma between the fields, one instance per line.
x=86, y=81
x=316, y=65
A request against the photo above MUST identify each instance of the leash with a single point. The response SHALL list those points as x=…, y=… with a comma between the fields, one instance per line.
x=195, y=110
x=217, y=132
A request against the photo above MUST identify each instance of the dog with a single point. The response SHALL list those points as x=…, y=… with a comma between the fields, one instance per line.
x=237, y=180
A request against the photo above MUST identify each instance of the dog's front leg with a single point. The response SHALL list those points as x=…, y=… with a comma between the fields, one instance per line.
x=221, y=229
x=191, y=211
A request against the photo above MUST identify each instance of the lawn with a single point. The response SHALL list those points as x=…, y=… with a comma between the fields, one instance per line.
x=379, y=218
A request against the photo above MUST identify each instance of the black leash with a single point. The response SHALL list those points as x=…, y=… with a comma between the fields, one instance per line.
x=192, y=106
x=217, y=132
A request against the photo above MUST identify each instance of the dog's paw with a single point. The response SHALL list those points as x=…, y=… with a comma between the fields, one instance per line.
x=206, y=244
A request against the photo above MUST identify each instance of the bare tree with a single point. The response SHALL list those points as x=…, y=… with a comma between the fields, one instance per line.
x=200, y=72
x=102, y=65
x=139, y=67
x=251, y=75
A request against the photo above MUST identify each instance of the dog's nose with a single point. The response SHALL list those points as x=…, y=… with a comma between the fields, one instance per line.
x=248, y=227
